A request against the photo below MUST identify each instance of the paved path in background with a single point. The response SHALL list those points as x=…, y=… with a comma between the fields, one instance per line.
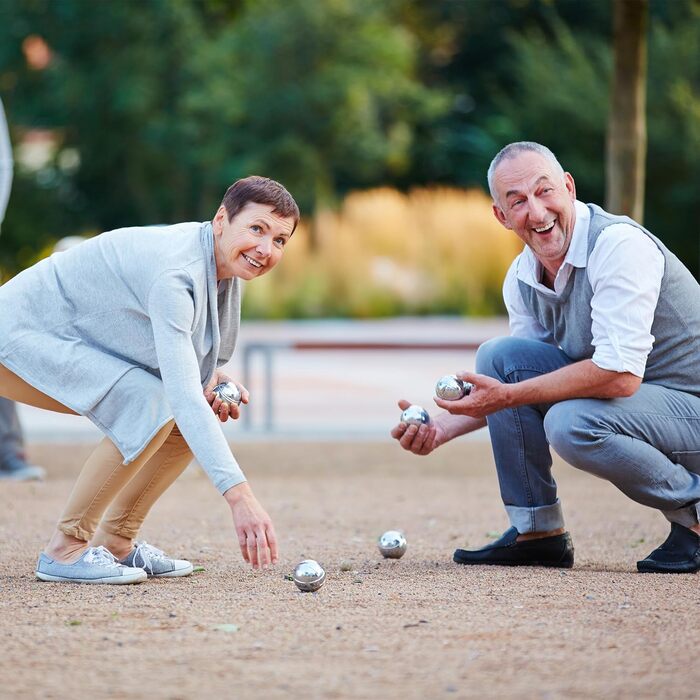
x=324, y=394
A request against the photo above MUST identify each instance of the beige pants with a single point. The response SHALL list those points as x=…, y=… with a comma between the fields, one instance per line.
x=109, y=493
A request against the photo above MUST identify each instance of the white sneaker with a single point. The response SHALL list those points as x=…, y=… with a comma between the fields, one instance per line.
x=96, y=565
x=155, y=562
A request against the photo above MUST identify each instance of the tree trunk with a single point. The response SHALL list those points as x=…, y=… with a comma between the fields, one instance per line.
x=627, y=129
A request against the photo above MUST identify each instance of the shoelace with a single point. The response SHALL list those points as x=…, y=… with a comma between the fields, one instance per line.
x=100, y=556
x=148, y=553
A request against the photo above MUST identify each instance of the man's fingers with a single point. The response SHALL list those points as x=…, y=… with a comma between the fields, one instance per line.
x=398, y=430
x=407, y=438
x=420, y=440
x=403, y=404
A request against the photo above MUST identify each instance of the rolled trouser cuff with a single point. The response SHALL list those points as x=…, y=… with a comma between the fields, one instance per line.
x=689, y=516
x=536, y=519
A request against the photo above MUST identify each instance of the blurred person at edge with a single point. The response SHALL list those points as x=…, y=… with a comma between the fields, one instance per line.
x=601, y=364
x=129, y=329
x=13, y=463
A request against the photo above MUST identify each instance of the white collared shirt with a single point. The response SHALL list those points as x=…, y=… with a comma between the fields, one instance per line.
x=625, y=271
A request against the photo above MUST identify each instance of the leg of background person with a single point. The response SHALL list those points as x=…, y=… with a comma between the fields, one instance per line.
x=127, y=512
x=13, y=463
x=520, y=447
x=648, y=445
x=10, y=430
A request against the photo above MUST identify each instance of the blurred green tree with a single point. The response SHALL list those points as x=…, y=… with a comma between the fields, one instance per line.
x=154, y=108
x=326, y=95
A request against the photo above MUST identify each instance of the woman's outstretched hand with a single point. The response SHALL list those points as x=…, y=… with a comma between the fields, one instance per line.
x=256, y=534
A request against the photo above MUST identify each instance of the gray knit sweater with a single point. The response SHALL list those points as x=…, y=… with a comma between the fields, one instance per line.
x=126, y=329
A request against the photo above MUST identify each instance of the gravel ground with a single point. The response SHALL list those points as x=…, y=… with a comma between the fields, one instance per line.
x=419, y=627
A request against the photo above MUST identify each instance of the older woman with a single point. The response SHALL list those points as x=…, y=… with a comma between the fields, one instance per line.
x=129, y=329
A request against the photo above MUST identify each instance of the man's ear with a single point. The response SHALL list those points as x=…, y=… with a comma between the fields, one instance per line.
x=570, y=185
x=500, y=215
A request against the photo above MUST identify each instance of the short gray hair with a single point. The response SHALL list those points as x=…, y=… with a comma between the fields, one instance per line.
x=512, y=150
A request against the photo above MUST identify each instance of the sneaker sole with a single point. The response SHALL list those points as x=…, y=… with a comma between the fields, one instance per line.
x=175, y=574
x=116, y=580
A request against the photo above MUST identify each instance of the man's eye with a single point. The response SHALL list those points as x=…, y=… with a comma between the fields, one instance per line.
x=255, y=228
x=281, y=242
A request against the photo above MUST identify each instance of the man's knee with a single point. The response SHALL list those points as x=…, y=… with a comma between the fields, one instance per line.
x=492, y=355
x=575, y=432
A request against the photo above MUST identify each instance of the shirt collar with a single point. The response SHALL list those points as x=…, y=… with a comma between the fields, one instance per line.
x=576, y=256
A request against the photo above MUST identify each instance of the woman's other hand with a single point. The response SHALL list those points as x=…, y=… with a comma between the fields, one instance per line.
x=224, y=410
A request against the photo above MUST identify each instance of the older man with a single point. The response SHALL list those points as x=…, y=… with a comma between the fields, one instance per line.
x=602, y=365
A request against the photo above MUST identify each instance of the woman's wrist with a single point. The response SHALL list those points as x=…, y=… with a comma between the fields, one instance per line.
x=238, y=493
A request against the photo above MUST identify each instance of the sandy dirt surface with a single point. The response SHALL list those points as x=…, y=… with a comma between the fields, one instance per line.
x=419, y=627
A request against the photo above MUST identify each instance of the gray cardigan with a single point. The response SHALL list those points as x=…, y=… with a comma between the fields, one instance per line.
x=126, y=329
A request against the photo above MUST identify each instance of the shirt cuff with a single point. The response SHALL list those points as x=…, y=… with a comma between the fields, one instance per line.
x=616, y=360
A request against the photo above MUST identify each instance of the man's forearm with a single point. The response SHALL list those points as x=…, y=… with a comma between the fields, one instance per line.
x=456, y=425
x=580, y=380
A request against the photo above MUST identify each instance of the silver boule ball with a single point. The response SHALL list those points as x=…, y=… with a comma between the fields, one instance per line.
x=228, y=392
x=452, y=388
x=392, y=544
x=415, y=415
x=309, y=575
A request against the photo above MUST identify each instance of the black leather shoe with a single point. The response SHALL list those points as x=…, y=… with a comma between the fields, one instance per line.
x=557, y=550
x=679, y=554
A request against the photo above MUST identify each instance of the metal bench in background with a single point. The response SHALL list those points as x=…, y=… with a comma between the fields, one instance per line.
x=267, y=350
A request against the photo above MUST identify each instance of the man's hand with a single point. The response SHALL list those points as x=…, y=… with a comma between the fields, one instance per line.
x=256, y=534
x=487, y=396
x=224, y=410
x=419, y=439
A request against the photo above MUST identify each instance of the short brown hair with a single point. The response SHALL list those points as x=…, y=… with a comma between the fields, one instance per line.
x=260, y=190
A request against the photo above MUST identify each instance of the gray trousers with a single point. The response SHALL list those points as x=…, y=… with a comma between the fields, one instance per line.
x=11, y=440
x=648, y=444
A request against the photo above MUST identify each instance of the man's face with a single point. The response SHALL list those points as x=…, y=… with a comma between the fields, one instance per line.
x=250, y=244
x=535, y=201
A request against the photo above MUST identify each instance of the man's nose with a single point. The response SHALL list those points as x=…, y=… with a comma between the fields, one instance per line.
x=538, y=211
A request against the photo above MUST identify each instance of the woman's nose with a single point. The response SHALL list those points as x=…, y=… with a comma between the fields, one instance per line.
x=264, y=246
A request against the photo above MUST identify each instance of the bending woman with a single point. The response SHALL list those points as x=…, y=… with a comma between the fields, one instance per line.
x=130, y=329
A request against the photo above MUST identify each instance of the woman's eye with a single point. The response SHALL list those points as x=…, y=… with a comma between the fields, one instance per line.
x=280, y=242
x=255, y=228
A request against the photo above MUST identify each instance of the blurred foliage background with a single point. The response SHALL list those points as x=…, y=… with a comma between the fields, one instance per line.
x=380, y=116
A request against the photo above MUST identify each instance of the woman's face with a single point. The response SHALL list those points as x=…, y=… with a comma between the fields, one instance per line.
x=251, y=243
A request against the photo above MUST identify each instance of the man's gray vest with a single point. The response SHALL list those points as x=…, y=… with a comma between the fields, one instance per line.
x=674, y=361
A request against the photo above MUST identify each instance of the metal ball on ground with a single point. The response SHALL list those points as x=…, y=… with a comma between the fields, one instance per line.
x=309, y=576
x=392, y=544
